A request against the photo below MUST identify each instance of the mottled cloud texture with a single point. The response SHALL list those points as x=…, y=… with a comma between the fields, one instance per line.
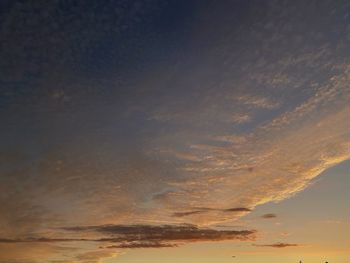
x=154, y=113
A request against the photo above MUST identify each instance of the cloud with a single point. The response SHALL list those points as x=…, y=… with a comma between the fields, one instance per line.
x=269, y=216
x=200, y=210
x=241, y=118
x=96, y=242
x=275, y=162
x=182, y=214
x=257, y=102
x=277, y=245
x=160, y=171
x=238, y=209
x=142, y=245
x=162, y=233
x=134, y=236
x=96, y=256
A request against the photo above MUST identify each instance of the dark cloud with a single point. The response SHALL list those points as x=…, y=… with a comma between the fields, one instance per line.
x=163, y=233
x=144, y=236
x=277, y=245
x=269, y=216
x=200, y=210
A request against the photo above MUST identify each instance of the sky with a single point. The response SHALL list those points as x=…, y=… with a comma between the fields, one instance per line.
x=174, y=131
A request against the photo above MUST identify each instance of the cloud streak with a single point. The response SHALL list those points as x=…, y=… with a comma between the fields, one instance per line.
x=134, y=245
x=143, y=233
x=169, y=233
x=278, y=245
x=200, y=210
x=269, y=216
x=138, y=236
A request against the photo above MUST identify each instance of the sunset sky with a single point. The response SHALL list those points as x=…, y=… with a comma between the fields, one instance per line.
x=166, y=131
